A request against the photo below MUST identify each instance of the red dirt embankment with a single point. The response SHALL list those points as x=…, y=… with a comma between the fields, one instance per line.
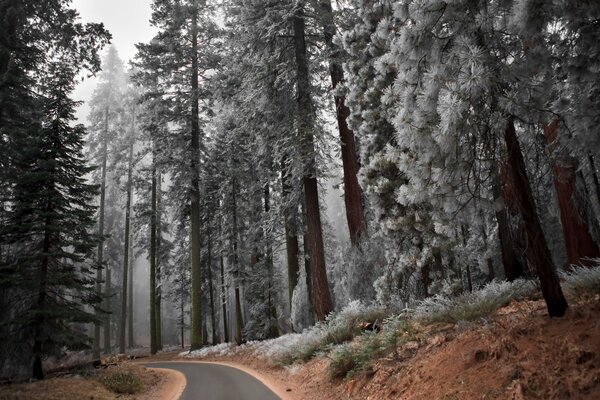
x=518, y=353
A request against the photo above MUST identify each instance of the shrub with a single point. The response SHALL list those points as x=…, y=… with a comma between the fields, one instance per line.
x=349, y=359
x=474, y=305
x=338, y=328
x=122, y=382
x=581, y=280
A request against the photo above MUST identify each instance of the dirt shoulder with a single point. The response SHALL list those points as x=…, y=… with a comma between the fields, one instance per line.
x=86, y=383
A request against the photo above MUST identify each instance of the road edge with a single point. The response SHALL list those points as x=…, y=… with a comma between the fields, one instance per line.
x=172, y=389
x=282, y=394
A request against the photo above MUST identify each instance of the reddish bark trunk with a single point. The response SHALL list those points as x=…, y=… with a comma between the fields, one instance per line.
x=513, y=267
x=581, y=247
x=538, y=254
x=321, y=295
x=353, y=196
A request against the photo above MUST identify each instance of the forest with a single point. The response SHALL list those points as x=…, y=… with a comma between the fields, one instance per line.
x=261, y=164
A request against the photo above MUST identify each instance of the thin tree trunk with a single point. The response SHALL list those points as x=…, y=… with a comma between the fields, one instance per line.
x=239, y=319
x=238, y=306
x=353, y=196
x=108, y=307
x=538, y=253
x=153, y=322
x=210, y=287
x=125, y=282
x=96, y=344
x=130, y=339
x=158, y=261
x=196, y=340
x=224, y=300
x=291, y=233
x=581, y=247
x=271, y=307
x=322, y=302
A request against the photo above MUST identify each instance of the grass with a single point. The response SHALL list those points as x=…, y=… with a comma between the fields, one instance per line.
x=122, y=382
x=475, y=305
x=581, y=280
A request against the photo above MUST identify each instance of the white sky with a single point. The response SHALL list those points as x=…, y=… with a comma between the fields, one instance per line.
x=127, y=21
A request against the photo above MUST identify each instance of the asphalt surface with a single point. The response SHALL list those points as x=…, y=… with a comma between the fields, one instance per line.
x=217, y=382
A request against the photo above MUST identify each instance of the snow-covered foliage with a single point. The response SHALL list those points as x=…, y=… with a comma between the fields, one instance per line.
x=220, y=349
x=477, y=304
x=581, y=280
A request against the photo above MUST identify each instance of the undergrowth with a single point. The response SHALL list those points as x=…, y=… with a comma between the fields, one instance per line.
x=122, y=382
x=338, y=328
x=349, y=359
x=475, y=305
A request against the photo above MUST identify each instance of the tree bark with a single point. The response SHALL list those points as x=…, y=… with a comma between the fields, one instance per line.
x=538, y=254
x=353, y=196
x=291, y=233
x=108, y=317
x=580, y=245
x=196, y=340
x=271, y=307
x=510, y=240
x=153, y=322
x=210, y=286
x=124, y=285
x=130, y=337
x=96, y=344
x=239, y=320
x=224, y=301
x=322, y=302
x=158, y=261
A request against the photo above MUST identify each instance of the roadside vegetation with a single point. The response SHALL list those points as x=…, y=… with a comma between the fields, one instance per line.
x=354, y=338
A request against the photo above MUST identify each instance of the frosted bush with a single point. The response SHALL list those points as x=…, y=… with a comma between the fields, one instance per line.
x=478, y=304
x=581, y=280
x=338, y=328
x=216, y=350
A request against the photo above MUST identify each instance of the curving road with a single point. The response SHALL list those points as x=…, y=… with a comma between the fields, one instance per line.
x=217, y=382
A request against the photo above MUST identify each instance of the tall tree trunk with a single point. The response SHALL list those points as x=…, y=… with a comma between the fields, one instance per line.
x=108, y=307
x=210, y=286
x=353, y=196
x=182, y=315
x=236, y=265
x=153, y=322
x=271, y=307
x=224, y=300
x=196, y=339
x=130, y=338
x=538, y=254
x=239, y=319
x=581, y=247
x=322, y=302
x=125, y=282
x=291, y=232
x=158, y=261
x=96, y=345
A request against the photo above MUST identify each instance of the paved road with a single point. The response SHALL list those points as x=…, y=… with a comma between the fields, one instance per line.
x=217, y=382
